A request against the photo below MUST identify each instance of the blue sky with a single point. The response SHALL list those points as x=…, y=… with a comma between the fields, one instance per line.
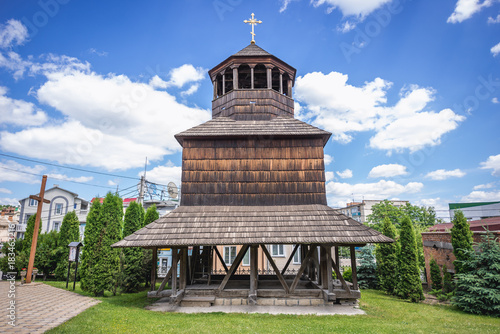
x=409, y=89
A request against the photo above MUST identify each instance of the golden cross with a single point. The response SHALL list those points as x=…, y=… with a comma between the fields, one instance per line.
x=253, y=22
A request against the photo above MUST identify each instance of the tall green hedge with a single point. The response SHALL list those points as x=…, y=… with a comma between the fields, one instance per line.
x=132, y=268
x=387, y=259
x=436, y=278
x=461, y=240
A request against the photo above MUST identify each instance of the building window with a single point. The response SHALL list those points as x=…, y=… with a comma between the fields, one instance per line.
x=27, y=218
x=74, y=206
x=56, y=226
x=33, y=202
x=277, y=250
x=59, y=208
x=296, y=256
x=229, y=254
x=246, y=258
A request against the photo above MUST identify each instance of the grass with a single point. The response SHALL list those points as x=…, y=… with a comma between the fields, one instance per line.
x=385, y=314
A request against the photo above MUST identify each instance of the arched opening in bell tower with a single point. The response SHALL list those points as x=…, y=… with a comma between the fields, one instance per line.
x=218, y=82
x=260, y=76
x=244, y=77
x=286, y=80
x=275, y=75
x=228, y=80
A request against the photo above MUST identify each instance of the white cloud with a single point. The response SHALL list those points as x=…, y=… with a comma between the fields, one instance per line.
x=191, y=90
x=495, y=50
x=328, y=159
x=493, y=162
x=19, y=112
x=9, y=201
x=358, y=8
x=494, y=20
x=98, y=53
x=11, y=171
x=113, y=122
x=186, y=73
x=464, y=9
x=165, y=174
x=284, y=6
x=112, y=183
x=5, y=191
x=344, y=109
x=339, y=193
x=64, y=177
x=329, y=176
x=442, y=174
x=12, y=33
x=389, y=170
x=347, y=26
x=346, y=174
x=482, y=196
x=495, y=100
x=484, y=186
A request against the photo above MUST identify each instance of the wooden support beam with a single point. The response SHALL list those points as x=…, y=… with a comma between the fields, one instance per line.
x=314, y=264
x=220, y=258
x=322, y=279
x=275, y=267
x=183, y=268
x=153, y=269
x=234, y=266
x=210, y=263
x=340, y=277
x=165, y=280
x=329, y=281
x=337, y=255
x=305, y=261
x=353, y=266
x=289, y=259
x=175, y=258
x=254, y=274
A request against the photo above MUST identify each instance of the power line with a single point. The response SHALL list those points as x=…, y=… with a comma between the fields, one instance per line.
x=72, y=168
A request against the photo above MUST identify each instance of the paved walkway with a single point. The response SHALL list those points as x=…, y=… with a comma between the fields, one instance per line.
x=39, y=307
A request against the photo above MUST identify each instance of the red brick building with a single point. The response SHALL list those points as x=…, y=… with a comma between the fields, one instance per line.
x=437, y=245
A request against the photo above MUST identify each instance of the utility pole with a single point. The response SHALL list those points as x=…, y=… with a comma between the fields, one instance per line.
x=141, y=190
x=40, y=200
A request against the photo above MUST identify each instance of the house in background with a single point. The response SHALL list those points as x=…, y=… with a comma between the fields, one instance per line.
x=360, y=211
x=61, y=200
x=476, y=210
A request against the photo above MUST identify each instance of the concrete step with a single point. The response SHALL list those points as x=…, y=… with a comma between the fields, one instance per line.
x=197, y=301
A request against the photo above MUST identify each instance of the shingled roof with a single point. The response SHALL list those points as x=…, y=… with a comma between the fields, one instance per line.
x=252, y=50
x=278, y=126
x=236, y=225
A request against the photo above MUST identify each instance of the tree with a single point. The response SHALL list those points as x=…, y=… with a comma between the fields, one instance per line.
x=461, y=240
x=70, y=231
x=387, y=259
x=436, y=276
x=132, y=268
x=478, y=285
x=91, y=235
x=409, y=285
x=105, y=271
x=47, y=253
x=367, y=270
x=447, y=281
x=28, y=235
x=147, y=254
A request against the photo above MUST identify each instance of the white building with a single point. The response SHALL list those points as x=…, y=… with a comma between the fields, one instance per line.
x=360, y=211
x=61, y=202
x=476, y=210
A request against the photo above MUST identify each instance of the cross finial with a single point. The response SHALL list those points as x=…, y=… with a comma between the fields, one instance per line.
x=253, y=22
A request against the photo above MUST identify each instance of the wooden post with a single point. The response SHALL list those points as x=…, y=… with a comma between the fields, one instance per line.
x=34, y=240
x=322, y=279
x=235, y=78
x=223, y=83
x=329, y=280
x=153, y=269
x=303, y=266
x=337, y=255
x=165, y=280
x=175, y=258
x=269, y=77
x=183, y=268
x=353, y=266
x=234, y=266
x=254, y=275
x=210, y=264
x=281, y=82
x=252, y=76
x=340, y=277
x=290, y=88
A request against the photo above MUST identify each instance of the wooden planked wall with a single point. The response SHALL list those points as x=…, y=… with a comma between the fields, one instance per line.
x=253, y=172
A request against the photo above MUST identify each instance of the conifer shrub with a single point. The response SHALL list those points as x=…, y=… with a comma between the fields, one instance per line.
x=132, y=269
x=409, y=285
x=436, y=278
x=461, y=240
x=478, y=286
x=367, y=270
x=147, y=254
x=448, y=285
x=91, y=236
x=70, y=231
x=387, y=259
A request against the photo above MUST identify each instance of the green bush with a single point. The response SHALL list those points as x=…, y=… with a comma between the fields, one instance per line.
x=437, y=280
x=461, y=240
x=478, y=286
x=347, y=274
x=448, y=285
x=387, y=259
x=367, y=270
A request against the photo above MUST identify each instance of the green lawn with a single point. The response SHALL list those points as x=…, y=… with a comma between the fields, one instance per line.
x=125, y=314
